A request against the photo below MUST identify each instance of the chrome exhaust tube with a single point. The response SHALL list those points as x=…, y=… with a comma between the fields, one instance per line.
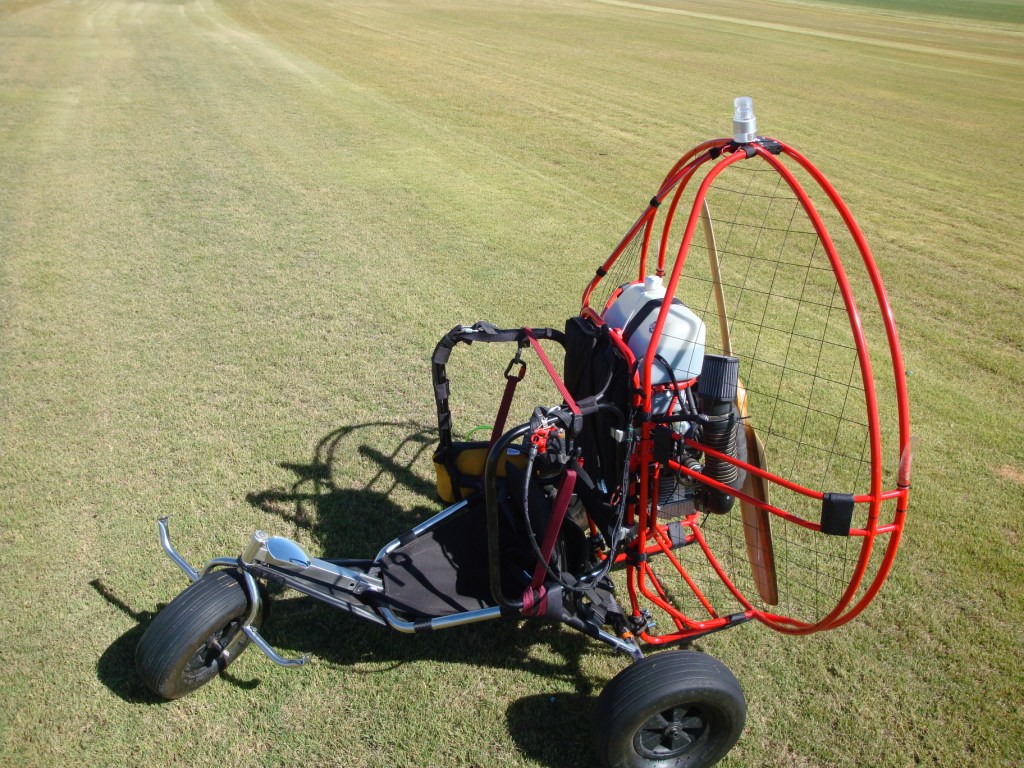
x=270, y=653
x=253, y=634
x=165, y=542
x=440, y=622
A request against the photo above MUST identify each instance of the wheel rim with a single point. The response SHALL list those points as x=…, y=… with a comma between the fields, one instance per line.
x=208, y=655
x=670, y=733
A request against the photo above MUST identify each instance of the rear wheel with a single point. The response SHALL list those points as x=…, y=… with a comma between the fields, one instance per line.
x=679, y=709
x=182, y=648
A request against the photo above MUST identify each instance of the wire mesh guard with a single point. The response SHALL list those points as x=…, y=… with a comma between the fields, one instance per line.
x=788, y=287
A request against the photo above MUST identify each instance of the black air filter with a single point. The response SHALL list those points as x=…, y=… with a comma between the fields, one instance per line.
x=718, y=378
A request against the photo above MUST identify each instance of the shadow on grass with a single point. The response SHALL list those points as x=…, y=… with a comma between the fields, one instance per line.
x=355, y=520
x=116, y=667
x=551, y=729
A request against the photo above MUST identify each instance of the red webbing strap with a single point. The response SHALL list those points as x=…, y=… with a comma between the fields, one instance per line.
x=511, y=380
x=559, y=384
x=535, y=602
x=565, y=489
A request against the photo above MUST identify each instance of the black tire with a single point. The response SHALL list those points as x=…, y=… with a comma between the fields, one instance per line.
x=180, y=649
x=677, y=709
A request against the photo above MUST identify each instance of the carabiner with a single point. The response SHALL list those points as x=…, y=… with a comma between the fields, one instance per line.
x=522, y=367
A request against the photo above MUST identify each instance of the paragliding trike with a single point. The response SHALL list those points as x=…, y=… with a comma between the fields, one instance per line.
x=640, y=508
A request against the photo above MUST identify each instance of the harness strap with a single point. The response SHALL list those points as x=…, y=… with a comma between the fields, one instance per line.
x=559, y=384
x=535, y=601
x=554, y=526
x=511, y=380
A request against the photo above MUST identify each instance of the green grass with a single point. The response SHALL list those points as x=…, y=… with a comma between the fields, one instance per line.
x=982, y=10
x=229, y=230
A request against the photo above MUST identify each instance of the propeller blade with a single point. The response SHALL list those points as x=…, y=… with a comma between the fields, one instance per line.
x=716, y=277
x=756, y=521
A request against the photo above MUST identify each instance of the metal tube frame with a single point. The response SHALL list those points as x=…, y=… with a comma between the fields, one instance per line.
x=721, y=153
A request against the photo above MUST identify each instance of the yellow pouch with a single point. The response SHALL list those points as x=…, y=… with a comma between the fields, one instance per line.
x=470, y=459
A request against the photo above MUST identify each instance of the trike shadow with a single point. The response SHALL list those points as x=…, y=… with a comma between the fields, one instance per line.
x=357, y=521
x=352, y=517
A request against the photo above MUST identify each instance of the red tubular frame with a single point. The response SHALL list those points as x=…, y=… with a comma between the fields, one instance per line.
x=651, y=538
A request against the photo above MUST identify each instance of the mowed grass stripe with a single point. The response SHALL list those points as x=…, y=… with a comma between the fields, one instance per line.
x=873, y=40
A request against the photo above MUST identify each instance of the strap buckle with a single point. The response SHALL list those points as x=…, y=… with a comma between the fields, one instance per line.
x=517, y=360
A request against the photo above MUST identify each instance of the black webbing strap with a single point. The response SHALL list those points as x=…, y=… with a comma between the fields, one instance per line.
x=639, y=317
x=479, y=331
x=467, y=334
x=460, y=334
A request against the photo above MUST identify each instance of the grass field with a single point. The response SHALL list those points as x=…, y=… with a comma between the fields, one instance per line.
x=233, y=229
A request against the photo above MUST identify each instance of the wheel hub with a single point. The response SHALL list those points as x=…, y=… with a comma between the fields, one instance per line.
x=670, y=733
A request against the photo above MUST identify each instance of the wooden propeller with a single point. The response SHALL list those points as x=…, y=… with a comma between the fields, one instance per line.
x=757, y=530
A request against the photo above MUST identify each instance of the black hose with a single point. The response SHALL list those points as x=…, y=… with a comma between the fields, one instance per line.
x=494, y=514
x=717, y=388
x=720, y=435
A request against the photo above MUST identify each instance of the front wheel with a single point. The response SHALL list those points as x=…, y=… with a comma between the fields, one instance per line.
x=182, y=647
x=678, y=709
